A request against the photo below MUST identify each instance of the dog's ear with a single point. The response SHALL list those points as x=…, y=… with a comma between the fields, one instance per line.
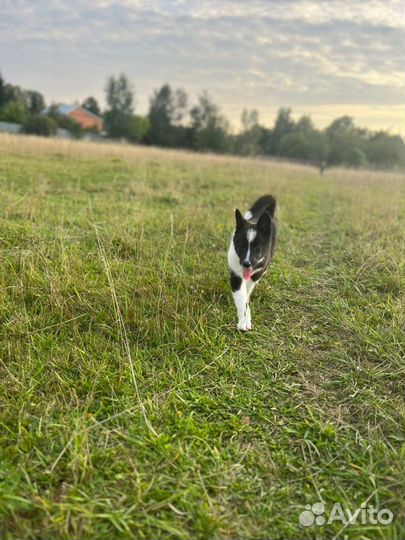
x=239, y=219
x=264, y=223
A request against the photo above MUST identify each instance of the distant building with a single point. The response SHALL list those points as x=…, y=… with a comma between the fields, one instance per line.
x=10, y=127
x=85, y=118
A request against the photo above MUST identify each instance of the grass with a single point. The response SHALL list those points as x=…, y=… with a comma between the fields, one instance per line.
x=130, y=405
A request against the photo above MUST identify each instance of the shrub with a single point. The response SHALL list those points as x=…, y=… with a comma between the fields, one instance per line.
x=40, y=125
x=354, y=157
x=138, y=128
x=14, y=111
x=66, y=122
x=294, y=145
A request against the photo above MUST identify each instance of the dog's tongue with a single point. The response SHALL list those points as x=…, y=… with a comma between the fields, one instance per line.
x=247, y=273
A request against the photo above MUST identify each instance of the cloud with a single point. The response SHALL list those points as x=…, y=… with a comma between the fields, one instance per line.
x=302, y=53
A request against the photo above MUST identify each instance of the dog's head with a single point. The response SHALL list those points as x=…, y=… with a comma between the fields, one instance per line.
x=251, y=241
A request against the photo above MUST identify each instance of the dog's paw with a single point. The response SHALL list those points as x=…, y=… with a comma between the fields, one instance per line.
x=244, y=326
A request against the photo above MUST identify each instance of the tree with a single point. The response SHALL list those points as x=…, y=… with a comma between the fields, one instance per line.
x=9, y=92
x=138, y=129
x=315, y=147
x=39, y=124
x=120, y=94
x=385, y=150
x=318, y=147
x=34, y=101
x=249, y=119
x=69, y=123
x=3, y=91
x=341, y=137
x=120, y=102
x=294, y=145
x=305, y=125
x=266, y=141
x=354, y=157
x=209, y=127
x=283, y=125
x=91, y=104
x=166, y=112
x=248, y=142
x=14, y=111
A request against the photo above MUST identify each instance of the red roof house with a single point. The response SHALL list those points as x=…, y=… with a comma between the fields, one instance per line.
x=85, y=118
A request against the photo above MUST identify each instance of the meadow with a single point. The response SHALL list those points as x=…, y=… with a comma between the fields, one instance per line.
x=131, y=407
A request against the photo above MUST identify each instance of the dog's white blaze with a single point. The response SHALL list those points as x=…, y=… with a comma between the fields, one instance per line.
x=251, y=235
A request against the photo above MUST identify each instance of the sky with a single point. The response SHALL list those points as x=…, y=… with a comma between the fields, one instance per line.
x=326, y=58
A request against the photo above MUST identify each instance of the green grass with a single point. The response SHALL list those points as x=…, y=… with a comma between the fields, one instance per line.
x=130, y=405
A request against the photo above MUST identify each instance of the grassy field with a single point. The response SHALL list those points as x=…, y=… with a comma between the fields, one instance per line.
x=130, y=405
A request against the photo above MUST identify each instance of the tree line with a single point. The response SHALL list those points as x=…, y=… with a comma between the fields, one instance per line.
x=171, y=122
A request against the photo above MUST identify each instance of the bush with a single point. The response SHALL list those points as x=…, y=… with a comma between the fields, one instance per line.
x=138, y=128
x=38, y=124
x=385, y=150
x=354, y=157
x=294, y=145
x=66, y=122
x=14, y=111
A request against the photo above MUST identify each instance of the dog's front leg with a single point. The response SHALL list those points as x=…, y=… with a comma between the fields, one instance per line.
x=250, y=285
x=240, y=297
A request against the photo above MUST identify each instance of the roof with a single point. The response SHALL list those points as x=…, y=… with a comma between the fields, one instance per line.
x=67, y=109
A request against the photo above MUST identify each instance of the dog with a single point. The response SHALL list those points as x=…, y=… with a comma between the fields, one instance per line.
x=250, y=253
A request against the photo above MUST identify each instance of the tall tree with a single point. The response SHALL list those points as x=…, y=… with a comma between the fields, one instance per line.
x=305, y=142
x=248, y=142
x=3, y=91
x=385, y=150
x=283, y=126
x=14, y=111
x=120, y=103
x=249, y=119
x=209, y=127
x=341, y=136
x=91, y=104
x=120, y=94
x=166, y=112
x=9, y=92
x=266, y=142
x=305, y=125
x=34, y=101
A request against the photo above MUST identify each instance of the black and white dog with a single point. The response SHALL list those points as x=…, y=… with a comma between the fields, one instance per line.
x=250, y=252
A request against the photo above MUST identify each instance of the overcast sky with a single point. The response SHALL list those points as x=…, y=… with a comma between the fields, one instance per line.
x=324, y=58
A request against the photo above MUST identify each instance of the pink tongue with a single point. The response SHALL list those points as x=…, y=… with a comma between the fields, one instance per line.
x=247, y=273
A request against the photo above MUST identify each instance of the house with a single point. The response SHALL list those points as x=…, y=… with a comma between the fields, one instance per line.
x=85, y=118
